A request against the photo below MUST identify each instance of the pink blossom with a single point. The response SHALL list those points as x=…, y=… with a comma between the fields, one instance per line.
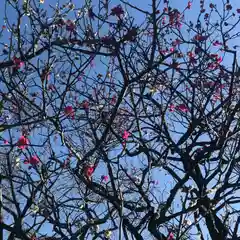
x=216, y=97
x=217, y=43
x=69, y=111
x=200, y=38
x=171, y=107
x=171, y=236
x=117, y=11
x=189, y=5
x=219, y=59
x=104, y=178
x=22, y=142
x=163, y=51
x=51, y=87
x=88, y=170
x=106, y=39
x=85, y=105
x=126, y=134
x=17, y=62
x=114, y=99
x=183, y=108
x=212, y=66
x=70, y=25
x=190, y=54
x=176, y=42
x=5, y=141
x=34, y=160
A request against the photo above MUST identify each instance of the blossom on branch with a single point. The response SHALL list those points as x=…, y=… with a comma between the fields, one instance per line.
x=22, y=142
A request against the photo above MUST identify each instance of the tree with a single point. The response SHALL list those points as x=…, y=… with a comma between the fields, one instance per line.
x=119, y=121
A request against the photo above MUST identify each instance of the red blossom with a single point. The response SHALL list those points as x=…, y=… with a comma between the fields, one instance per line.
x=70, y=25
x=171, y=107
x=69, y=111
x=171, y=236
x=211, y=5
x=126, y=134
x=238, y=10
x=216, y=97
x=217, y=43
x=114, y=99
x=104, y=178
x=176, y=42
x=34, y=160
x=163, y=51
x=175, y=64
x=183, y=108
x=189, y=5
x=66, y=162
x=229, y=7
x=200, y=38
x=17, y=62
x=22, y=142
x=85, y=105
x=106, y=39
x=219, y=59
x=88, y=171
x=117, y=11
x=51, y=87
x=190, y=54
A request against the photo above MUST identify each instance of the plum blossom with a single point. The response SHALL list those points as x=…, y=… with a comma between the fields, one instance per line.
x=189, y=5
x=88, y=171
x=171, y=107
x=104, y=178
x=69, y=111
x=182, y=108
x=217, y=43
x=171, y=236
x=117, y=11
x=200, y=38
x=17, y=63
x=113, y=99
x=126, y=134
x=70, y=25
x=34, y=160
x=22, y=142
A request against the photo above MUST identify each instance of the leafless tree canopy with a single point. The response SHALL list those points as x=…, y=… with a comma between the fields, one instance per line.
x=119, y=121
